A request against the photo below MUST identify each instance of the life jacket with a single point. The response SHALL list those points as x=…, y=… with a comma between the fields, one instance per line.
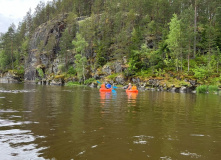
x=134, y=88
x=103, y=86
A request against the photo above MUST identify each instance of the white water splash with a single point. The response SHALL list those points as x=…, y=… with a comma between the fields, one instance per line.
x=197, y=135
x=140, y=142
x=192, y=155
x=81, y=153
x=166, y=158
x=94, y=146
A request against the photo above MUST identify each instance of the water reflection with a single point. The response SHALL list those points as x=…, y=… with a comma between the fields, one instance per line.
x=105, y=96
x=108, y=97
x=132, y=96
x=15, y=140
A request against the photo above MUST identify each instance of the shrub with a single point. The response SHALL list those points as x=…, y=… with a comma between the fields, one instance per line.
x=59, y=76
x=20, y=72
x=212, y=88
x=202, y=89
x=71, y=70
x=159, y=72
x=144, y=73
x=112, y=76
x=200, y=72
x=61, y=67
x=89, y=81
x=72, y=83
x=40, y=72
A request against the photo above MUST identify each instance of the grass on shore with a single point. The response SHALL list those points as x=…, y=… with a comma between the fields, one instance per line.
x=205, y=89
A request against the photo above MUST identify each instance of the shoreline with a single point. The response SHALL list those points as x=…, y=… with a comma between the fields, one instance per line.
x=148, y=85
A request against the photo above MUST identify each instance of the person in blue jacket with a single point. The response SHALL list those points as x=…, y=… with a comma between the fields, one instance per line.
x=108, y=85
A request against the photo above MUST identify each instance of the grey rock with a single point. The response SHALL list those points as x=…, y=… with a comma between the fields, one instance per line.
x=120, y=80
x=93, y=85
x=117, y=67
x=183, y=89
x=107, y=70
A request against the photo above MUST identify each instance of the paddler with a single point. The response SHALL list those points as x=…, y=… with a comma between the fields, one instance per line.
x=108, y=85
x=129, y=86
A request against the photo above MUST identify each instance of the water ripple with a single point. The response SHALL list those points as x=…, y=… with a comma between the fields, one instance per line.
x=192, y=155
x=19, y=144
x=16, y=91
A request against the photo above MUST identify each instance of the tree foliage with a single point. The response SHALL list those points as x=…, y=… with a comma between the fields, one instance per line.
x=154, y=34
x=80, y=60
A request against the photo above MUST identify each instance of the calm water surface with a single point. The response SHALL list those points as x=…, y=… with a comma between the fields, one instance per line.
x=64, y=123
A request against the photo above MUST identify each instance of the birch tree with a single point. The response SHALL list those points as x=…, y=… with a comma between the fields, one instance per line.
x=80, y=60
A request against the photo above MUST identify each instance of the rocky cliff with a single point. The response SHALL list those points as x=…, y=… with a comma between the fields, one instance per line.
x=44, y=47
x=44, y=54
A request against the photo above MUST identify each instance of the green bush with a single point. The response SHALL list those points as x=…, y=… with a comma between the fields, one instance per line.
x=71, y=70
x=61, y=67
x=19, y=71
x=200, y=72
x=40, y=72
x=202, y=89
x=144, y=73
x=72, y=83
x=159, y=72
x=112, y=76
x=205, y=88
x=89, y=81
x=212, y=88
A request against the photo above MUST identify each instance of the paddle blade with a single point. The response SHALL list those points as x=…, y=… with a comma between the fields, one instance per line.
x=114, y=87
x=98, y=82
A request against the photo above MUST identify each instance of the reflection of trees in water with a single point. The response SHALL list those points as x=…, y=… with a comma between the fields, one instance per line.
x=60, y=116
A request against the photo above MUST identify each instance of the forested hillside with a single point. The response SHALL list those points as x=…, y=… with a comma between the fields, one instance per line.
x=117, y=40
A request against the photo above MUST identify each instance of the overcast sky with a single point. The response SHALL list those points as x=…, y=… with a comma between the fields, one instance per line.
x=13, y=11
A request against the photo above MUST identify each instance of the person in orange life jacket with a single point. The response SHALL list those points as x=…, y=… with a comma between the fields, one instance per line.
x=103, y=85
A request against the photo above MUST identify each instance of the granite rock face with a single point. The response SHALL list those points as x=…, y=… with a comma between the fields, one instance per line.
x=45, y=36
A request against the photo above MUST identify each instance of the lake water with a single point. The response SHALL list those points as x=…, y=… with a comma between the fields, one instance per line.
x=79, y=123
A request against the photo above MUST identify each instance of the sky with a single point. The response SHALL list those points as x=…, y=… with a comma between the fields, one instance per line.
x=13, y=11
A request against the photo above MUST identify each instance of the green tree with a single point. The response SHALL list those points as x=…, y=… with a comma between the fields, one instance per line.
x=187, y=32
x=29, y=23
x=173, y=40
x=210, y=38
x=66, y=45
x=218, y=58
x=80, y=60
x=9, y=45
x=147, y=53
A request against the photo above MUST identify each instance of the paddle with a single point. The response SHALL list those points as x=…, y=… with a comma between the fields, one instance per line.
x=98, y=82
x=114, y=87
